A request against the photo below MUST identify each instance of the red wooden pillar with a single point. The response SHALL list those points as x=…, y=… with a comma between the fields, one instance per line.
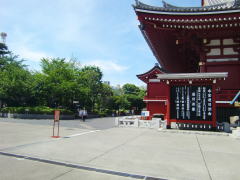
x=202, y=2
x=147, y=95
x=214, y=108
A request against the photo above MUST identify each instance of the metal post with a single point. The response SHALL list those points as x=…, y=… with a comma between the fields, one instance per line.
x=58, y=129
x=53, y=127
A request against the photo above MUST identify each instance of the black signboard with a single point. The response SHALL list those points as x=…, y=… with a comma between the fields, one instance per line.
x=191, y=103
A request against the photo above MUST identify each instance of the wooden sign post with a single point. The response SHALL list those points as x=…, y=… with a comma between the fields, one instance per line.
x=56, y=120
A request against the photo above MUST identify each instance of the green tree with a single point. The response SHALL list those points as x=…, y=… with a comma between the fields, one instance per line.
x=120, y=102
x=39, y=90
x=134, y=96
x=16, y=80
x=105, y=97
x=60, y=81
x=3, y=49
x=91, y=79
x=131, y=89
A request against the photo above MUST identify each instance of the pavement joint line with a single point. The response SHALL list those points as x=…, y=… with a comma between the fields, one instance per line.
x=114, y=148
x=153, y=178
x=203, y=158
x=62, y=174
x=75, y=166
x=194, y=132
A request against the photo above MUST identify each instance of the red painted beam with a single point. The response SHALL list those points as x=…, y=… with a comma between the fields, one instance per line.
x=192, y=121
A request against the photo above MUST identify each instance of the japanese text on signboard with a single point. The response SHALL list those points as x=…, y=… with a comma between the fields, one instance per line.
x=191, y=103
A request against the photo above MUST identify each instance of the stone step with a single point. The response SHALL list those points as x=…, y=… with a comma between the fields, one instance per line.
x=236, y=133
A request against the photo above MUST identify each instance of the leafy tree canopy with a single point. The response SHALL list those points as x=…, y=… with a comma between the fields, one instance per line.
x=131, y=89
x=59, y=83
x=3, y=49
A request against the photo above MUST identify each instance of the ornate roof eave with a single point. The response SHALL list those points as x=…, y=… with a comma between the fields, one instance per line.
x=188, y=13
x=229, y=7
x=167, y=5
x=156, y=70
x=156, y=67
x=220, y=3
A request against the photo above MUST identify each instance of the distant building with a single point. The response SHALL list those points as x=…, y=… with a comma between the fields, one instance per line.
x=106, y=82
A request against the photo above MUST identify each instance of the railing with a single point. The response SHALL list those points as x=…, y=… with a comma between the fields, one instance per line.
x=227, y=95
x=135, y=121
x=156, y=123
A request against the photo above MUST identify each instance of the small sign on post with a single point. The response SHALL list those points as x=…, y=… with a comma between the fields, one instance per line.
x=145, y=115
x=56, y=120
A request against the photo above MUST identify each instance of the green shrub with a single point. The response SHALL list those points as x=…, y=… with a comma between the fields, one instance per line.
x=102, y=114
x=34, y=110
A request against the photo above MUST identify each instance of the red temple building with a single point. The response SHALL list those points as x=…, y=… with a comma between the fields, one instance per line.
x=197, y=80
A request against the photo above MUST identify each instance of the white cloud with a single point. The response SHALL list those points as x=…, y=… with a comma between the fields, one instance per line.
x=107, y=66
x=26, y=45
x=28, y=54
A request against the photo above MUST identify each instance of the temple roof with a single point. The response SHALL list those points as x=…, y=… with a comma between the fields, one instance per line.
x=152, y=73
x=177, y=35
x=229, y=5
x=214, y=2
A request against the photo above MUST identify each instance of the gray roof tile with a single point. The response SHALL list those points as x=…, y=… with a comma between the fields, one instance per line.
x=232, y=5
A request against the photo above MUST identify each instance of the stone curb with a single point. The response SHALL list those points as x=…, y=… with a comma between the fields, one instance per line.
x=193, y=132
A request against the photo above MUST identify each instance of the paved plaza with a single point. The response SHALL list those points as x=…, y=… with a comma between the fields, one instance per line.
x=95, y=149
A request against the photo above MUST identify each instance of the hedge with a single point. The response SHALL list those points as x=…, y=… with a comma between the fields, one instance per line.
x=34, y=110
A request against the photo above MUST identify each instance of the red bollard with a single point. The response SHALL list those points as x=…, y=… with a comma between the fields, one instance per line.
x=56, y=120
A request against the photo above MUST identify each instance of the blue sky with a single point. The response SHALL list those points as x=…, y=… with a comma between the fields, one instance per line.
x=95, y=32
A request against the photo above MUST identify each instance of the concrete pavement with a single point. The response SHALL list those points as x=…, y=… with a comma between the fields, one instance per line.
x=115, y=153
x=21, y=169
x=94, y=123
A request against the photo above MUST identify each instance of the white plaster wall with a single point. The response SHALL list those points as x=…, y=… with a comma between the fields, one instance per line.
x=228, y=42
x=229, y=51
x=214, y=52
x=222, y=60
x=214, y=42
